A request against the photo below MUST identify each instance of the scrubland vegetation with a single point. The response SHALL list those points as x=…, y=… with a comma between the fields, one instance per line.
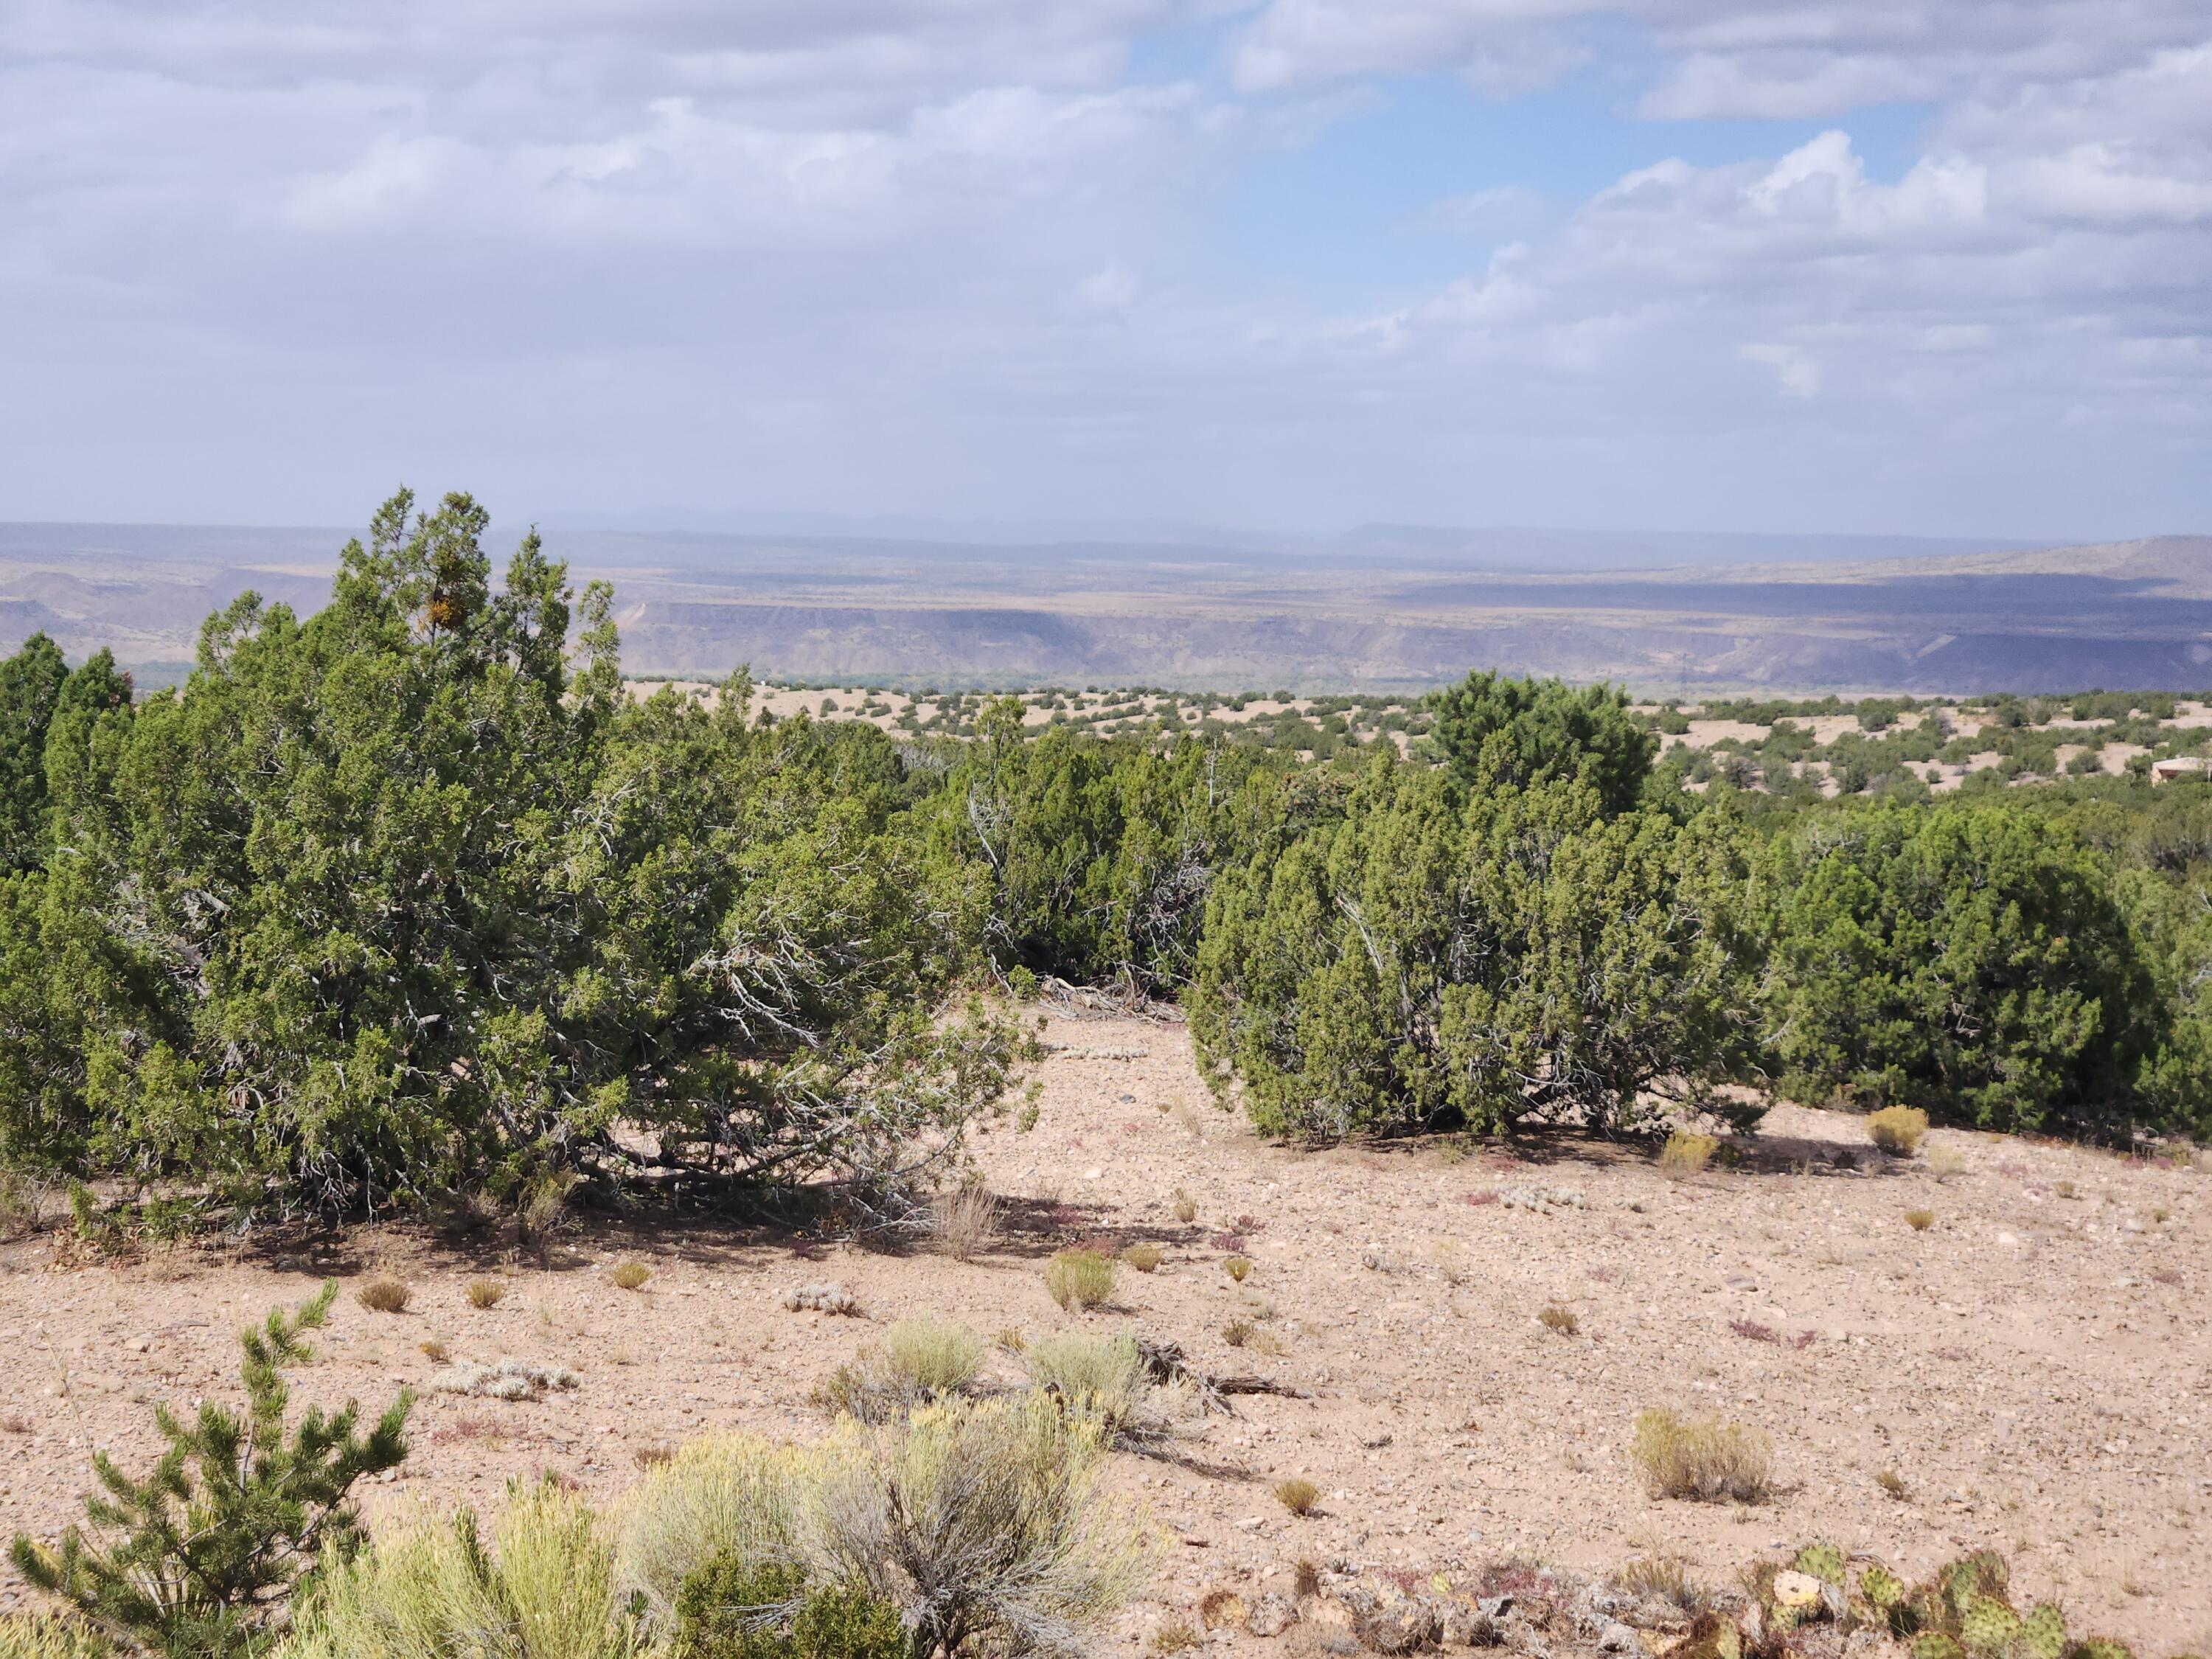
x=409, y=906
x=405, y=900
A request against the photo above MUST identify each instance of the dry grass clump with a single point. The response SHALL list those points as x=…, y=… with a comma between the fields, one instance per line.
x=1297, y=1495
x=2063, y=1189
x=386, y=1293
x=435, y=1351
x=1893, y=1483
x=630, y=1275
x=1078, y=1279
x=1146, y=1258
x=1898, y=1130
x=1558, y=1319
x=44, y=1636
x=1238, y=1268
x=933, y=1356
x=486, y=1292
x=22, y=1204
x=1944, y=1164
x=544, y=1586
x=1708, y=1461
x=1686, y=1153
x=1176, y=1635
x=965, y=1220
x=1102, y=1380
x=1185, y=1208
x=1663, y=1577
x=1920, y=1220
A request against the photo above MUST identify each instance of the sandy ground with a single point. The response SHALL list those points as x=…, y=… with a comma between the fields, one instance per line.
x=2035, y=1368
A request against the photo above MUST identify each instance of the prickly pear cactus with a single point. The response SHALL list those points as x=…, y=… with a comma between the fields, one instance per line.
x=1937, y=1645
x=1822, y=1561
x=2101, y=1647
x=1881, y=1588
x=2042, y=1635
x=1983, y=1573
x=1987, y=1627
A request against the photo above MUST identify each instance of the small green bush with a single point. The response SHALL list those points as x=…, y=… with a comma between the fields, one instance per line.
x=734, y=1608
x=542, y=1588
x=1079, y=1279
x=1898, y=1130
x=932, y=1355
x=196, y=1559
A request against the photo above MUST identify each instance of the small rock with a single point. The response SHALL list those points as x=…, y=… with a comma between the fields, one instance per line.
x=1617, y=1638
x=1271, y=1614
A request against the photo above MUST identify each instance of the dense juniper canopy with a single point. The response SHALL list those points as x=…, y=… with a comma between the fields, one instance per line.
x=411, y=897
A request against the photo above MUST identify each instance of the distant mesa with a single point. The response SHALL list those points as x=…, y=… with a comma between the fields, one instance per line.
x=1383, y=608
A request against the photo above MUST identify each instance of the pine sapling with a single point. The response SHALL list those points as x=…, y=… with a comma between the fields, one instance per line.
x=193, y=1561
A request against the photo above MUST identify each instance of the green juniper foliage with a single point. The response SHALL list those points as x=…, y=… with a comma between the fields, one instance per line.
x=1965, y=958
x=195, y=1558
x=1420, y=960
x=408, y=897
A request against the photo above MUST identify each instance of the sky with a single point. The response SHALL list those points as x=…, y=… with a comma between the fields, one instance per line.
x=1819, y=265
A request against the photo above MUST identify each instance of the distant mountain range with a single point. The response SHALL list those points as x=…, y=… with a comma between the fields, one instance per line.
x=1383, y=608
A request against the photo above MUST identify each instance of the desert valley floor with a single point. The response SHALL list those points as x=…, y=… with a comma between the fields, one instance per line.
x=2034, y=1369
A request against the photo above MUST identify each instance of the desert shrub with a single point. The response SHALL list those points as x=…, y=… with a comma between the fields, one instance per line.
x=733, y=1493
x=1145, y=1257
x=1687, y=1154
x=965, y=1220
x=1898, y=1130
x=1967, y=959
x=542, y=1588
x=631, y=1275
x=196, y=1559
x=933, y=1356
x=729, y=935
x=1103, y=1379
x=1238, y=1268
x=36, y=1636
x=1559, y=1321
x=1415, y=960
x=1920, y=1220
x=384, y=1294
x=486, y=1292
x=983, y=1521
x=1079, y=1278
x=734, y=1608
x=1710, y=1462
x=1297, y=1495
x=1944, y=1164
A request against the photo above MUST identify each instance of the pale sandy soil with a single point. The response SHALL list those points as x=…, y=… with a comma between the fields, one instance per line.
x=2036, y=1368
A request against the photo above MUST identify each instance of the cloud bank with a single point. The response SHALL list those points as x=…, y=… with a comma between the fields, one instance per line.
x=1875, y=266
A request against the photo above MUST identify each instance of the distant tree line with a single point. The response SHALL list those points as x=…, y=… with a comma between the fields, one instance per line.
x=409, y=897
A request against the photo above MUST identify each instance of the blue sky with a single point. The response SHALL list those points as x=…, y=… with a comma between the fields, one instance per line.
x=1291, y=263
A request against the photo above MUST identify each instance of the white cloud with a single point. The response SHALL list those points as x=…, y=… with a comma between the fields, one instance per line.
x=1799, y=375
x=884, y=254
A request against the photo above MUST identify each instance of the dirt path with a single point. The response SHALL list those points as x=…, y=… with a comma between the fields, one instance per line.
x=2035, y=1368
